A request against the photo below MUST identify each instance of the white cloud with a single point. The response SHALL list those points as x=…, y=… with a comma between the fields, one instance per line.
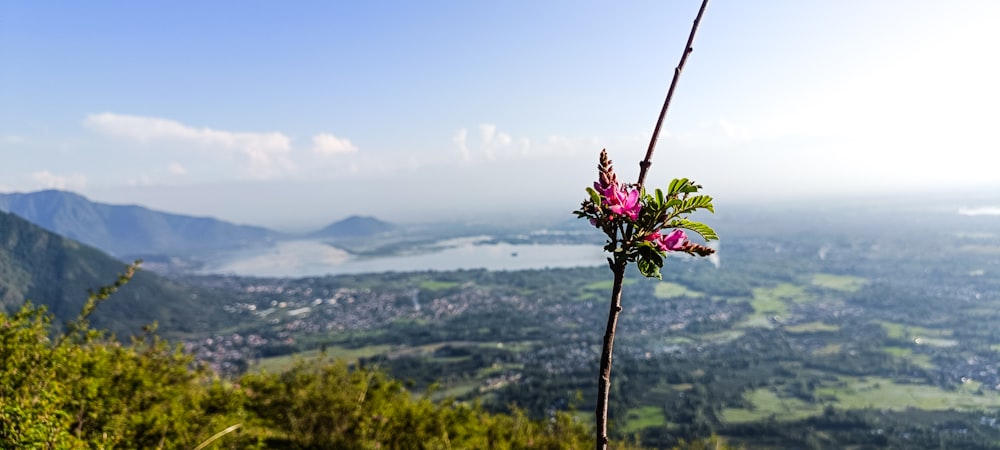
x=49, y=180
x=460, y=139
x=176, y=169
x=494, y=144
x=328, y=145
x=267, y=154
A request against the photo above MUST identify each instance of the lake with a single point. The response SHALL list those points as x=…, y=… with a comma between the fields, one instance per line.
x=314, y=258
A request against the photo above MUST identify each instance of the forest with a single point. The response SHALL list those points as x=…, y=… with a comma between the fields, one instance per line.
x=80, y=389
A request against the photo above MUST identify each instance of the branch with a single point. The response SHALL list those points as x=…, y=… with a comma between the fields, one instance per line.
x=648, y=161
x=621, y=261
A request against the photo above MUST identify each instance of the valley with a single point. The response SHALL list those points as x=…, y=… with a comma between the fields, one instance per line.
x=869, y=329
x=813, y=338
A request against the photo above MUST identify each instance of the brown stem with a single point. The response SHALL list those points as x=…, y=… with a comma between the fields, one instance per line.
x=620, y=261
x=648, y=161
x=604, y=380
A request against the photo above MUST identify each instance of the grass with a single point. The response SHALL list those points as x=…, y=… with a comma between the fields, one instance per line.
x=434, y=285
x=910, y=333
x=644, y=417
x=455, y=390
x=280, y=363
x=667, y=290
x=811, y=327
x=768, y=302
x=720, y=337
x=766, y=404
x=513, y=346
x=838, y=282
x=860, y=393
x=917, y=359
x=936, y=342
x=883, y=393
x=828, y=349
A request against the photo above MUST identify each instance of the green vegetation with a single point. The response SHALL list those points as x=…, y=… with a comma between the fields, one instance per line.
x=857, y=393
x=435, y=285
x=329, y=354
x=838, y=282
x=39, y=265
x=668, y=290
x=84, y=391
x=766, y=404
x=881, y=344
x=909, y=332
x=811, y=327
x=644, y=417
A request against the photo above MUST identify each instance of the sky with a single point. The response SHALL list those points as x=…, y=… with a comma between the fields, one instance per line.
x=295, y=114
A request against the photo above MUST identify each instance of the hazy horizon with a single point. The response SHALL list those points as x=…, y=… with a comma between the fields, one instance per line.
x=295, y=115
x=967, y=203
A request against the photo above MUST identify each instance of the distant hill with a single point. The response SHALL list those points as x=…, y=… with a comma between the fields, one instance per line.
x=354, y=226
x=129, y=230
x=51, y=270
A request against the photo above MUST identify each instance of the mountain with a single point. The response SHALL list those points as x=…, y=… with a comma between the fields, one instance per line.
x=354, y=226
x=129, y=230
x=51, y=270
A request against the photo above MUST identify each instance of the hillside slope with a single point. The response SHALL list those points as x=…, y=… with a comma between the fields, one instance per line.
x=130, y=230
x=57, y=272
x=354, y=227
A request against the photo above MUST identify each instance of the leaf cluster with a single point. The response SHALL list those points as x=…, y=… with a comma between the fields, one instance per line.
x=660, y=210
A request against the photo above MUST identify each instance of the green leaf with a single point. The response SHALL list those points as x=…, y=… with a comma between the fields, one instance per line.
x=649, y=269
x=681, y=186
x=594, y=196
x=675, y=186
x=695, y=203
x=705, y=231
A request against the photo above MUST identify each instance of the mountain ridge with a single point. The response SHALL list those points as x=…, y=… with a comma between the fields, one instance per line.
x=131, y=230
x=48, y=269
x=354, y=226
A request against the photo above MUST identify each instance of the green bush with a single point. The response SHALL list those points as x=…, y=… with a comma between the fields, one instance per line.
x=83, y=389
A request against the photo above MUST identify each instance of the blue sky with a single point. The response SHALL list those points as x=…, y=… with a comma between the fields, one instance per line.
x=294, y=114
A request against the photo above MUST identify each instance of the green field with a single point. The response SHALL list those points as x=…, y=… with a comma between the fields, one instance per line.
x=811, y=327
x=919, y=335
x=861, y=393
x=644, y=417
x=280, y=363
x=838, y=282
x=434, y=285
x=770, y=302
x=668, y=290
x=917, y=359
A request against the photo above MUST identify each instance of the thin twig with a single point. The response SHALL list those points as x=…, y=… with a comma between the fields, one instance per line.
x=619, y=263
x=604, y=379
x=218, y=435
x=648, y=161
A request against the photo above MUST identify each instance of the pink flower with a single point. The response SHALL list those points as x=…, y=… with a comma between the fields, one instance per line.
x=670, y=242
x=621, y=200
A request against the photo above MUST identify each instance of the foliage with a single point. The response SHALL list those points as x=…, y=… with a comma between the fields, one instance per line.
x=53, y=271
x=86, y=390
x=633, y=219
x=332, y=406
x=83, y=389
